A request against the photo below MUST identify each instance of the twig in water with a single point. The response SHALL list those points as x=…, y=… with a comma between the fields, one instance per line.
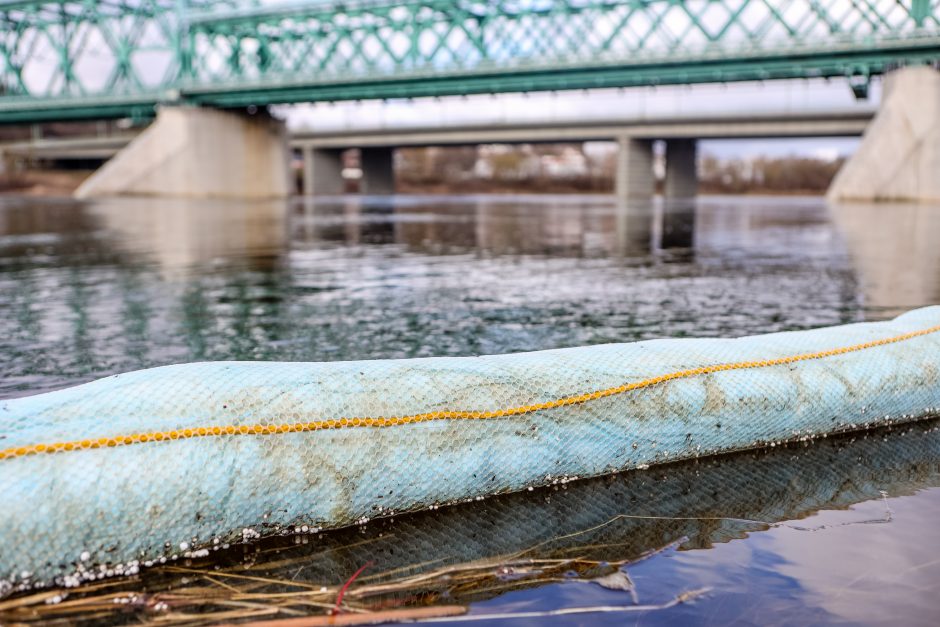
x=684, y=597
x=409, y=615
x=342, y=591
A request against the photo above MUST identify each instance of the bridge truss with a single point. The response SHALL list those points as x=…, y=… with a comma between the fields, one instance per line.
x=115, y=58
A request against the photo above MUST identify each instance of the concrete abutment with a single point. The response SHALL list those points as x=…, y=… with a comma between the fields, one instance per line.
x=192, y=152
x=899, y=156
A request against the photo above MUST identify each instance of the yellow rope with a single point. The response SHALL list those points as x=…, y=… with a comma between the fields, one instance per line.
x=343, y=423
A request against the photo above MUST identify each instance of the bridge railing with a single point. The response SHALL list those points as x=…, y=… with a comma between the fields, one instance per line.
x=367, y=37
x=93, y=55
x=61, y=48
x=382, y=49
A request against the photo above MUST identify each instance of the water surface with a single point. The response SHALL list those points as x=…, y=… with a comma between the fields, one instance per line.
x=90, y=289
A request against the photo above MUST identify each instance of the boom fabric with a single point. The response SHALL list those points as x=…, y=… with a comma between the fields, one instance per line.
x=102, y=478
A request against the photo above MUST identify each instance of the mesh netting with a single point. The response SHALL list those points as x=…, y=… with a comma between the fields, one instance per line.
x=474, y=551
x=101, y=478
x=614, y=518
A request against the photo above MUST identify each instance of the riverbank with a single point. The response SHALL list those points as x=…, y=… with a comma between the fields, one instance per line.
x=64, y=182
x=42, y=182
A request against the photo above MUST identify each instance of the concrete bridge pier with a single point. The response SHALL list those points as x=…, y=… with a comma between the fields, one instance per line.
x=322, y=171
x=899, y=157
x=681, y=175
x=634, y=179
x=378, y=171
x=192, y=152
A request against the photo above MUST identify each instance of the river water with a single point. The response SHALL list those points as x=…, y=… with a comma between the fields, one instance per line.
x=845, y=530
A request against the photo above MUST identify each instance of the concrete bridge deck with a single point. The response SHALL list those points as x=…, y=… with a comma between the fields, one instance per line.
x=848, y=122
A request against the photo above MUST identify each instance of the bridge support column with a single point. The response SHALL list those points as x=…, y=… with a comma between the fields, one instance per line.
x=378, y=171
x=323, y=171
x=681, y=174
x=634, y=177
x=190, y=152
x=899, y=157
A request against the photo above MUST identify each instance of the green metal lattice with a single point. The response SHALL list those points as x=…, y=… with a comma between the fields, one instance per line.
x=121, y=57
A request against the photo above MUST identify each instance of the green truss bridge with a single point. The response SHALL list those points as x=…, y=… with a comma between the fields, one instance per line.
x=85, y=59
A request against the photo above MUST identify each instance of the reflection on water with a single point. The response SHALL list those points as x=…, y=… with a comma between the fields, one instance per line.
x=491, y=226
x=539, y=550
x=177, y=235
x=92, y=289
x=895, y=251
x=95, y=288
x=620, y=517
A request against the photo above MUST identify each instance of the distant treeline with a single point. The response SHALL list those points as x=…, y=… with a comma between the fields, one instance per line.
x=568, y=167
x=779, y=175
x=556, y=168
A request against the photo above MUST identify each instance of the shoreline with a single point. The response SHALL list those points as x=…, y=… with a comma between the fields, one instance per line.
x=61, y=183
